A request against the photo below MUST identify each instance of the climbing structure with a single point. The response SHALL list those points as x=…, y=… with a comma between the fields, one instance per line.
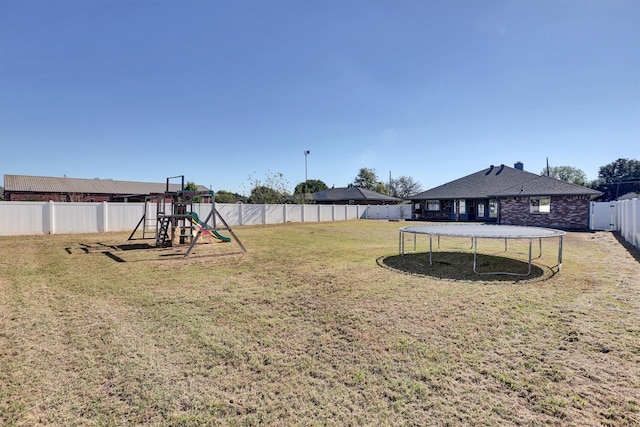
x=175, y=221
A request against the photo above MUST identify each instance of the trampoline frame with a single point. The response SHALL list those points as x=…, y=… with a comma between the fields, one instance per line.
x=483, y=231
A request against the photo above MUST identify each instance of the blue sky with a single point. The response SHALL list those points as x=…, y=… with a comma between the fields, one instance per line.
x=220, y=91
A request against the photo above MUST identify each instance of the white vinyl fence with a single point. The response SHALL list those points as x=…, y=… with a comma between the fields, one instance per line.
x=622, y=216
x=28, y=218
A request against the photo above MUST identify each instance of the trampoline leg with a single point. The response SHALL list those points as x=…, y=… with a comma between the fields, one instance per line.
x=430, y=250
x=560, y=253
x=474, y=243
x=529, y=272
x=540, y=247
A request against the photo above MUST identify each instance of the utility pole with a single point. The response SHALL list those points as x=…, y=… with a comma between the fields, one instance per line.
x=548, y=166
x=306, y=153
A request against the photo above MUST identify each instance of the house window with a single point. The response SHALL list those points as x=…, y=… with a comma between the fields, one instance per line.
x=433, y=205
x=493, y=208
x=481, y=210
x=462, y=207
x=540, y=204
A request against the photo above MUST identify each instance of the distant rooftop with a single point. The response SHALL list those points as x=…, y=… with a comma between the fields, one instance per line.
x=342, y=194
x=43, y=184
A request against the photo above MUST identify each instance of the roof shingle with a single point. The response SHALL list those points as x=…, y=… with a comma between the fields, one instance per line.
x=342, y=194
x=502, y=181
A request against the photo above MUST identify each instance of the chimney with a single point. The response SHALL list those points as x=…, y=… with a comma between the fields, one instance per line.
x=519, y=166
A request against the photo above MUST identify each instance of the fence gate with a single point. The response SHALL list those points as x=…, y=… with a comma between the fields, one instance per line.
x=603, y=216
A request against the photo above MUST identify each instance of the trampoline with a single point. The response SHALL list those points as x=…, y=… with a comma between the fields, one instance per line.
x=481, y=231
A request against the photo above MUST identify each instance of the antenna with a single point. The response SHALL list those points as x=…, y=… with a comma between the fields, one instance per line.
x=548, y=167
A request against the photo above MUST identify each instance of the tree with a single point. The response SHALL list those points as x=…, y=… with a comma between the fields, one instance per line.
x=262, y=194
x=381, y=188
x=366, y=179
x=223, y=196
x=310, y=186
x=191, y=186
x=567, y=174
x=618, y=178
x=272, y=190
x=404, y=186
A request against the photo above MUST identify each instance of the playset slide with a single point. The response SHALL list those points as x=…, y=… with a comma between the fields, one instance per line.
x=208, y=228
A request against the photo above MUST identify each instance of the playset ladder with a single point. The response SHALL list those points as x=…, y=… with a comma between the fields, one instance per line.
x=163, y=233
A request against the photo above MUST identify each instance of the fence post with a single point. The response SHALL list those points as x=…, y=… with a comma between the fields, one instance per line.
x=105, y=218
x=264, y=214
x=51, y=217
x=284, y=213
x=634, y=221
x=619, y=216
x=240, y=214
x=622, y=209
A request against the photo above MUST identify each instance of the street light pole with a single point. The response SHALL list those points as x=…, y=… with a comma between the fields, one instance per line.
x=306, y=153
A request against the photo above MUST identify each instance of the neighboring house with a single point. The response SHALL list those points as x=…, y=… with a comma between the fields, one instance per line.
x=352, y=196
x=509, y=196
x=1, y=193
x=40, y=188
x=628, y=196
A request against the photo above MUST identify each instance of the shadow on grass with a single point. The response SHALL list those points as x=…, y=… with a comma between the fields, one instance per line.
x=113, y=256
x=135, y=246
x=459, y=266
x=102, y=247
x=635, y=253
x=155, y=253
x=107, y=250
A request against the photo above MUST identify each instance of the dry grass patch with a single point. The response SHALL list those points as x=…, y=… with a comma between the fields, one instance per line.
x=316, y=324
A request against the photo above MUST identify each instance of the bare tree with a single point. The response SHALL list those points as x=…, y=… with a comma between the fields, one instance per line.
x=273, y=189
x=404, y=186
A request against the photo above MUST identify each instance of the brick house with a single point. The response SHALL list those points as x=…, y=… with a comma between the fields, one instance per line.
x=41, y=188
x=509, y=196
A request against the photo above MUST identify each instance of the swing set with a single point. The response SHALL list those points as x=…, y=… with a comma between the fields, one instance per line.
x=175, y=222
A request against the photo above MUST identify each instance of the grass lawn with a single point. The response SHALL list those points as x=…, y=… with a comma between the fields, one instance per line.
x=317, y=324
